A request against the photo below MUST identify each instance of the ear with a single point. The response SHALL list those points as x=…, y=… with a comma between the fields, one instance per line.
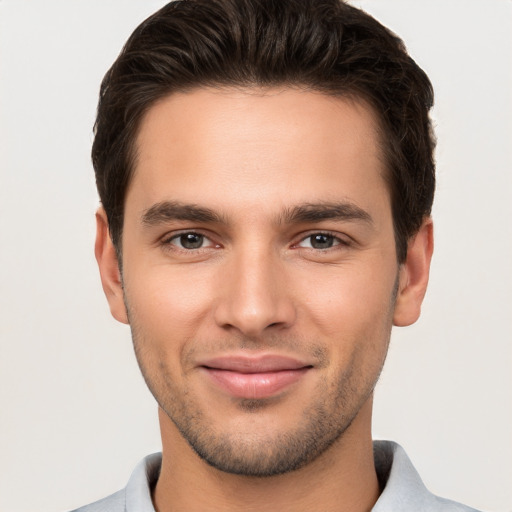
x=413, y=276
x=109, y=268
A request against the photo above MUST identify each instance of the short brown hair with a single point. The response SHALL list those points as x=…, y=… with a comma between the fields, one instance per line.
x=323, y=45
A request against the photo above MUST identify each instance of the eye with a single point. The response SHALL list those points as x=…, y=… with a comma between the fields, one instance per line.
x=320, y=241
x=190, y=241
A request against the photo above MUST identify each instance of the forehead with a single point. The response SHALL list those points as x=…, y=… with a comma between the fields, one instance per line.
x=256, y=147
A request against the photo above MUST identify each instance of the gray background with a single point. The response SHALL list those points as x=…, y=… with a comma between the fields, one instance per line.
x=75, y=415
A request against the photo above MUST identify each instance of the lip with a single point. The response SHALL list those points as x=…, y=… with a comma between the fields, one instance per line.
x=254, y=377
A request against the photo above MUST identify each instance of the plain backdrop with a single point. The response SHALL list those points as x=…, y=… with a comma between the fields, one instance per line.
x=75, y=415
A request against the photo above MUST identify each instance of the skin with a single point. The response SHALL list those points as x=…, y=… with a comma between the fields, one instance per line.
x=255, y=285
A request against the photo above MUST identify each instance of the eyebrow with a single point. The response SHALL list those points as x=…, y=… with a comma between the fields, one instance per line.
x=167, y=211
x=316, y=212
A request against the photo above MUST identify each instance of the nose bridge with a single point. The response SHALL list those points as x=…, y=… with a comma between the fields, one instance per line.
x=254, y=295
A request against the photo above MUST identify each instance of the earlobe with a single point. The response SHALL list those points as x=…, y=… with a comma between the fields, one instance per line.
x=413, y=276
x=108, y=264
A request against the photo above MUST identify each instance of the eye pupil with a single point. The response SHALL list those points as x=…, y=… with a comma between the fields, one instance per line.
x=321, y=241
x=191, y=240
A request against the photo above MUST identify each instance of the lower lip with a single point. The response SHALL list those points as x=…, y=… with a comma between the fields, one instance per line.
x=255, y=385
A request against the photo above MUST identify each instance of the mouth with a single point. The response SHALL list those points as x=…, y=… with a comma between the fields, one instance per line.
x=254, y=377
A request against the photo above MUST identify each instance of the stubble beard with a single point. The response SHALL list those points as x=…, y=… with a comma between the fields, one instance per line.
x=256, y=454
x=323, y=422
x=253, y=455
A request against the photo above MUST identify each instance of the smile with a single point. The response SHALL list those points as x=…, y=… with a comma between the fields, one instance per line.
x=254, y=378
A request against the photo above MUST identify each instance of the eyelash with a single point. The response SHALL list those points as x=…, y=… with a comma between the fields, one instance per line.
x=337, y=242
x=168, y=241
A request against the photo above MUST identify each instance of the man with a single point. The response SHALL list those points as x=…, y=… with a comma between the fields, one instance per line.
x=266, y=177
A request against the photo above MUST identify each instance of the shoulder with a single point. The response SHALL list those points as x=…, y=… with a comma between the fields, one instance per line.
x=113, y=503
x=445, y=505
x=136, y=496
x=403, y=489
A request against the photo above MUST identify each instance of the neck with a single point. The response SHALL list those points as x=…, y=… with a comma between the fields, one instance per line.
x=342, y=479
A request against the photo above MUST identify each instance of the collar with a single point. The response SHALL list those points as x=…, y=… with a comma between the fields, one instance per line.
x=403, y=489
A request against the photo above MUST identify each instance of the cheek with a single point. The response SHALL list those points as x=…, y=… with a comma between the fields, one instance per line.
x=352, y=314
x=348, y=300
x=168, y=302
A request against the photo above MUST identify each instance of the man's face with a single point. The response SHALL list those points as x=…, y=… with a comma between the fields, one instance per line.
x=259, y=271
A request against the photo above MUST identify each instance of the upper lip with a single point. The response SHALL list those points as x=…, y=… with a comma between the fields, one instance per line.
x=254, y=364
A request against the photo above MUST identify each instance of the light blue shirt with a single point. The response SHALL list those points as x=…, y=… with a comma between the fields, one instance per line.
x=403, y=489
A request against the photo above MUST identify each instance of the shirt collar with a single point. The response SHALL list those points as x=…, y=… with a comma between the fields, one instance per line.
x=403, y=489
x=141, y=483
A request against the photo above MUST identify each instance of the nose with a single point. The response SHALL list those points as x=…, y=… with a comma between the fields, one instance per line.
x=254, y=295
